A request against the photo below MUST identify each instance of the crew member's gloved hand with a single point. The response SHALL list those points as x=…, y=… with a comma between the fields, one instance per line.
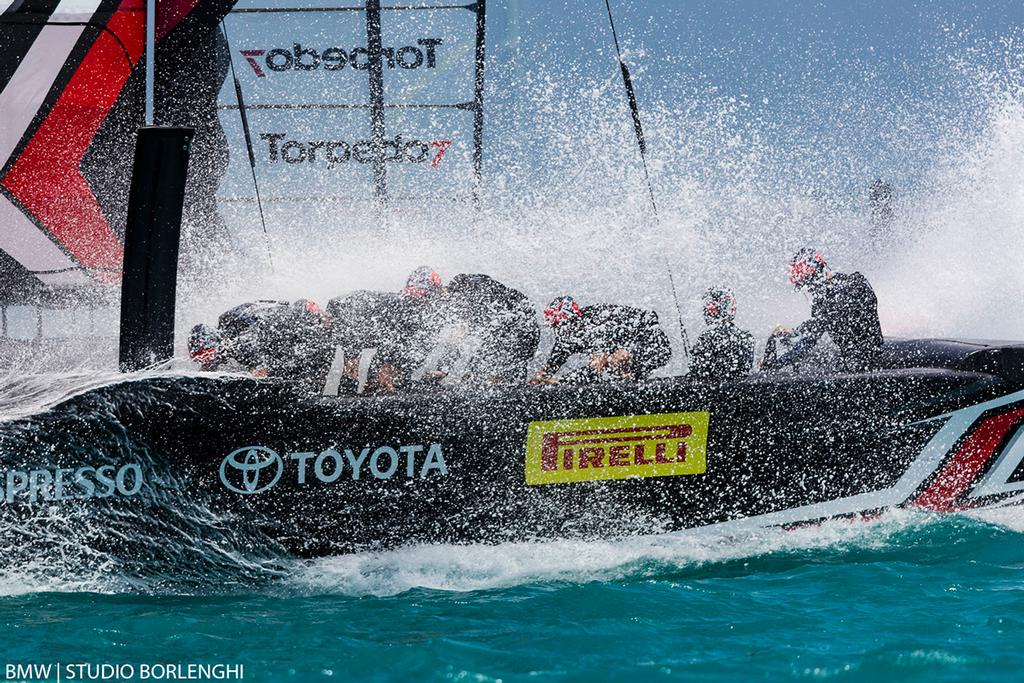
x=783, y=332
x=620, y=364
x=541, y=377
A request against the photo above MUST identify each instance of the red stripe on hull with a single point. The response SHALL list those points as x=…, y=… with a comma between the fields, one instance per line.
x=967, y=462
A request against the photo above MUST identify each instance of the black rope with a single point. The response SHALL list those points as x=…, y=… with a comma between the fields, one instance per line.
x=642, y=144
x=638, y=129
x=248, y=143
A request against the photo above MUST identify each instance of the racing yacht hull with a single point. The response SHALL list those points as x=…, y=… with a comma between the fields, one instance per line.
x=327, y=475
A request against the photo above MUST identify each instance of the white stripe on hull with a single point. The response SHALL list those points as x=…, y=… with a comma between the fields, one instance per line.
x=931, y=457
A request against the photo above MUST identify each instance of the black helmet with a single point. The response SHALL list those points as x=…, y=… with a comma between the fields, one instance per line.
x=204, y=347
x=719, y=305
x=308, y=312
x=248, y=317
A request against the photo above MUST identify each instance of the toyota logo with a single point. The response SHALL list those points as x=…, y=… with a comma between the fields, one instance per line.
x=255, y=468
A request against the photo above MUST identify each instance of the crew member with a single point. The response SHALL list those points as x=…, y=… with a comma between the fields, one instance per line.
x=373, y=325
x=722, y=351
x=266, y=338
x=423, y=311
x=622, y=342
x=400, y=327
x=500, y=319
x=842, y=305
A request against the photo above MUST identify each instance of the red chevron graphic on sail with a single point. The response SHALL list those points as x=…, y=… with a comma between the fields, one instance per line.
x=46, y=180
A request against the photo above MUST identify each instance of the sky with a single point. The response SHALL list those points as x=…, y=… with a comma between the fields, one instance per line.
x=838, y=90
x=766, y=122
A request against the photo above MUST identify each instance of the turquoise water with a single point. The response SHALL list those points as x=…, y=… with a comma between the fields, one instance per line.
x=909, y=597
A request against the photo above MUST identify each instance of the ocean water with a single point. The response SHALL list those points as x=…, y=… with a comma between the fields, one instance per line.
x=909, y=597
x=753, y=154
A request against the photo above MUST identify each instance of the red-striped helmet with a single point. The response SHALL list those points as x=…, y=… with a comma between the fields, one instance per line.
x=719, y=304
x=560, y=310
x=422, y=282
x=204, y=347
x=806, y=268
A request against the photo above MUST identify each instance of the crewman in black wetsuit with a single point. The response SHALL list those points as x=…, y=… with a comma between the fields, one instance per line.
x=844, y=306
x=622, y=342
x=424, y=310
x=722, y=351
x=266, y=338
x=362, y=320
x=401, y=326
x=501, y=319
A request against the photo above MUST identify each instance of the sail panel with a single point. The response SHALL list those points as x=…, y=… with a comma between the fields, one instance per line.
x=46, y=50
x=45, y=178
x=303, y=69
x=71, y=98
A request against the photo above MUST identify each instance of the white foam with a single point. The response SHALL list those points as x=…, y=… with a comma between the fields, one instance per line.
x=461, y=568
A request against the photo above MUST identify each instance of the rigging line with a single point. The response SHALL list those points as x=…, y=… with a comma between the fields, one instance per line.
x=634, y=109
x=248, y=144
x=642, y=144
x=467, y=106
x=357, y=8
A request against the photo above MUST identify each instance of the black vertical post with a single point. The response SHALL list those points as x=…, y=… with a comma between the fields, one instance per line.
x=478, y=101
x=376, y=72
x=149, y=277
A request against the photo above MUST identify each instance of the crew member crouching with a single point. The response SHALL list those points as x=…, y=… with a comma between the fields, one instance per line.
x=267, y=339
x=622, y=342
x=501, y=320
x=390, y=333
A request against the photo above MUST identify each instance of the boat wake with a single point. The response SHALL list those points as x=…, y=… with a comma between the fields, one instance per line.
x=175, y=564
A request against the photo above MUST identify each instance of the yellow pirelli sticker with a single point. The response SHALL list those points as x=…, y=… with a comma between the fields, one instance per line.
x=631, y=446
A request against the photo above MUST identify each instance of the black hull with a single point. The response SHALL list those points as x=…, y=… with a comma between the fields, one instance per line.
x=452, y=466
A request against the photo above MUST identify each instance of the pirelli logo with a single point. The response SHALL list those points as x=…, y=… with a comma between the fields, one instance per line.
x=631, y=446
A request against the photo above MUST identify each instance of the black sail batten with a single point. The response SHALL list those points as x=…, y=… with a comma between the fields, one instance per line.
x=248, y=142
x=641, y=142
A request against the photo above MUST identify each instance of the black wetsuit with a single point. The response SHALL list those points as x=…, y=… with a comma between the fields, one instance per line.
x=280, y=338
x=722, y=352
x=846, y=308
x=403, y=330
x=605, y=328
x=504, y=321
